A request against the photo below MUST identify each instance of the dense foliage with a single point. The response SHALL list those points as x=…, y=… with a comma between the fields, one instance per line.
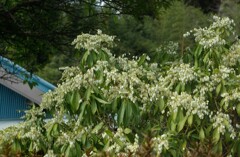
x=187, y=105
x=136, y=37
x=32, y=31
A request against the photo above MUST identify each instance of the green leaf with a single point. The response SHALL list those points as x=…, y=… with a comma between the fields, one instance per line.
x=201, y=134
x=127, y=131
x=161, y=104
x=55, y=130
x=199, y=50
x=85, y=56
x=238, y=109
x=181, y=124
x=121, y=113
x=83, y=106
x=16, y=146
x=93, y=106
x=173, y=126
x=218, y=89
x=184, y=145
x=78, y=149
x=88, y=93
x=206, y=58
x=217, y=149
x=75, y=101
x=64, y=148
x=174, y=115
x=129, y=112
x=208, y=130
x=182, y=87
x=97, y=127
x=119, y=142
x=100, y=100
x=216, y=135
x=115, y=104
x=109, y=133
x=142, y=59
x=190, y=120
x=49, y=131
x=84, y=139
x=68, y=152
x=178, y=87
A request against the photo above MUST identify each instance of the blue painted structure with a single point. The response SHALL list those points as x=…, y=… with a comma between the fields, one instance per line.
x=23, y=74
x=13, y=102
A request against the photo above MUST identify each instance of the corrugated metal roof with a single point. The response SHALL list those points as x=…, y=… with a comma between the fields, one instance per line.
x=23, y=74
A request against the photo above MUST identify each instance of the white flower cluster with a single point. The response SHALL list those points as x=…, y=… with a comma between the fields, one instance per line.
x=206, y=84
x=209, y=82
x=231, y=97
x=115, y=147
x=220, y=74
x=34, y=133
x=169, y=48
x=233, y=56
x=133, y=148
x=94, y=42
x=183, y=73
x=192, y=105
x=50, y=153
x=222, y=122
x=213, y=36
x=225, y=72
x=160, y=143
x=72, y=136
x=125, y=145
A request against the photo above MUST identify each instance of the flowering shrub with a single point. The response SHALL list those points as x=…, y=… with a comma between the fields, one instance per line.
x=115, y=106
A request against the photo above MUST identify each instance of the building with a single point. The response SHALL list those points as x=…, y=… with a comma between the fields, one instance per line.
x=16, y=95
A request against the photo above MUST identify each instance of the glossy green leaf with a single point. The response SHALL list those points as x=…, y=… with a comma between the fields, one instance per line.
x=85, y=56
x=121, y=113
x=201, y=134
x=75, y=101
x=142, y=59
x=174, y=115
x=190, y=120
x=100, y=100
x=181, y=124
x=88, y=94
x=216, y=135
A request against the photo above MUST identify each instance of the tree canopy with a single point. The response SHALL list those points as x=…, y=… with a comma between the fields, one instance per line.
x=32, y=31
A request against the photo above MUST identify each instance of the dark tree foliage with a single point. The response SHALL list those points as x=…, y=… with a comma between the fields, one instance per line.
x=207, y=6
x=32, y=31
